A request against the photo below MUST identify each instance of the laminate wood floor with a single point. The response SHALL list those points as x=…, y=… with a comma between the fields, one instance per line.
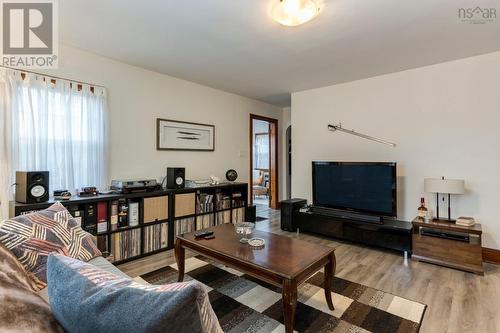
x=457, y=301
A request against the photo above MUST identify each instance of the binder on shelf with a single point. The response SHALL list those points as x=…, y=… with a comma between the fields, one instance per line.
x=133, y=214
x=90, y=218
x=114, y=215
x=102, y=217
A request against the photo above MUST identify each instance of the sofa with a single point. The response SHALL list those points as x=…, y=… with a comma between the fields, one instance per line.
x=25, y=289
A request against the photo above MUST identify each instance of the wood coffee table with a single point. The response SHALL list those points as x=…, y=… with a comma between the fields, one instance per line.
x=283, y=261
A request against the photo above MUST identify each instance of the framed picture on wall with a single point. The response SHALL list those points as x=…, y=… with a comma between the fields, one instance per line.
x=182, y=135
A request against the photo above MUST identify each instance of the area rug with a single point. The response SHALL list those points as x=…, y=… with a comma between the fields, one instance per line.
x=244, y=304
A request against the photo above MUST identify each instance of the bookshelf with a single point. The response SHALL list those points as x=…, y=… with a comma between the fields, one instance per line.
x=131, y=226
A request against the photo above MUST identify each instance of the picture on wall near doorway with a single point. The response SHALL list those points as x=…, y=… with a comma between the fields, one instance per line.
x=181, y=135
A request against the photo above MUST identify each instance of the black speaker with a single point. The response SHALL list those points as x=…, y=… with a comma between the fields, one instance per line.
x=176, y=177
x=251, y=214
x=287, y=209
x=32, y=186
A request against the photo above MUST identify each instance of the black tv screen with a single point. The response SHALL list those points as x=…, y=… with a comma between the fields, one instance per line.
x=365, y=187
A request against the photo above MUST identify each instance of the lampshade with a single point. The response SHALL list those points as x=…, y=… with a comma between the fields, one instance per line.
x=451, y=186
x=294, y=12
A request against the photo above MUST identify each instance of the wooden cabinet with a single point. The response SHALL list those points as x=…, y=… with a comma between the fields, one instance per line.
x=155, y=209
x=392, y=234
x=447, y=244
x=185, y=204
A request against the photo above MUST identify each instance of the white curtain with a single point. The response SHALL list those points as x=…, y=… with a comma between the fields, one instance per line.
x=57, y=128
x=261, y=149
x=5, y=145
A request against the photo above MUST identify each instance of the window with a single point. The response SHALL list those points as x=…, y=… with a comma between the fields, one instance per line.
x=261, y=151
x=60, y=127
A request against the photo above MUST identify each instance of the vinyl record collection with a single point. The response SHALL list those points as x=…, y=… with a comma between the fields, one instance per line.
x=238, y=215
x=102, y=244
x=183, y=226
x=155, y=237
x=204, y=221
x=126, y=244
x=224, y=217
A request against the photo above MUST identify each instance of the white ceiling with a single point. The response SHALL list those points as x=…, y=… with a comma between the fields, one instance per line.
x=233, y=45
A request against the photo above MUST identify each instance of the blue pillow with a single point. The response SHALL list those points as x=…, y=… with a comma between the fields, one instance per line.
x=85, y=298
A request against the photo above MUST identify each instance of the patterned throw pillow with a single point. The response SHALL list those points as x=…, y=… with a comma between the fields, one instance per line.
x=32, y=237
x=78, y=291
x=21, y=310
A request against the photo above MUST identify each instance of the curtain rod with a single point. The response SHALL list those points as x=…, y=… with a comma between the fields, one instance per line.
x=339, y=127
x=53, y=77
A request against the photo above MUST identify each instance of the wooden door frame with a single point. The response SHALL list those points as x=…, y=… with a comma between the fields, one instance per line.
x=273, y=160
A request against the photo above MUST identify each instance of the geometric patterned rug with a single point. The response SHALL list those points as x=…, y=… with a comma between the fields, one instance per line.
x=245, y=304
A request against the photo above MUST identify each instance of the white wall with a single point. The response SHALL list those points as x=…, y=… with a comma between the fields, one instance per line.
x=138, y=96
x=444, y=118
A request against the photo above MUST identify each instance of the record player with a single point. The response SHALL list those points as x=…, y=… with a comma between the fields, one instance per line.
x=135, y=185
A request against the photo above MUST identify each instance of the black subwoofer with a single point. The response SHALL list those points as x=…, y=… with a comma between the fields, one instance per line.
x=287, y=209
x=251, y=214
x=176, y=177
x=32, y=186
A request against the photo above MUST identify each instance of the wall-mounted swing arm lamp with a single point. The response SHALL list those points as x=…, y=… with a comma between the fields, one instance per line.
x=339, y=127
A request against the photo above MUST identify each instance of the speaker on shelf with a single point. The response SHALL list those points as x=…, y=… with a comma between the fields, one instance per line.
x=32, y=186
x=176, y=177
x=287, y=209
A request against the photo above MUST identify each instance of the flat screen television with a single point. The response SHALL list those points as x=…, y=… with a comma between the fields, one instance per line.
x=364, y=187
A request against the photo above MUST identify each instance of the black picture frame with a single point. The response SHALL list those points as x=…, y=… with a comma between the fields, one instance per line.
x=192, y=136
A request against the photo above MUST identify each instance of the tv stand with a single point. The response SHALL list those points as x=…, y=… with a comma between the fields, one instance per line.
x=346, y=215
x=389, y=234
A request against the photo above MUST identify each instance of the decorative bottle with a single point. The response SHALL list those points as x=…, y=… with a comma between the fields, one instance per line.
x=422, y=210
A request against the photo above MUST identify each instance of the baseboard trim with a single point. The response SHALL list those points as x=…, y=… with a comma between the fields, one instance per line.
x=491, y=256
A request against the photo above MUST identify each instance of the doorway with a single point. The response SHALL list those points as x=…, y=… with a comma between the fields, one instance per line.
x=264, y=162
x=288, y=174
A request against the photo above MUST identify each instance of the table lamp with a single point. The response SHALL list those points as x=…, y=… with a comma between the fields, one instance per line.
x=445, y=186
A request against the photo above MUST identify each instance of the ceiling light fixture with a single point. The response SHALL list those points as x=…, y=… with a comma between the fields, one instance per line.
x=292, y=13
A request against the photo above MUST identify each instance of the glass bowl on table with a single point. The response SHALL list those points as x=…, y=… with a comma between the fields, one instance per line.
x=244, y=229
